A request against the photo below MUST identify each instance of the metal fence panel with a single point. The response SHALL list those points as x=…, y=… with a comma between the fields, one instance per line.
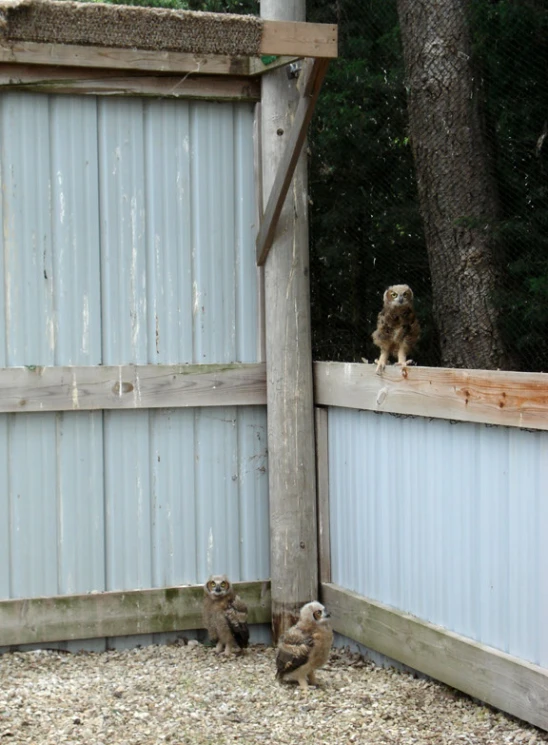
x=128, y=238
x=445, y=521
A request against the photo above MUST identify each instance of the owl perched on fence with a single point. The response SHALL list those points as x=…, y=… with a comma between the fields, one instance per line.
x=397, y=329
x=305, y=646
x=225, y=615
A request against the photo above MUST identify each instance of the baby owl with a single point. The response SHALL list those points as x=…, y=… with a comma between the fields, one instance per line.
x=397, y=327
x=305, y=646
x=225, y=615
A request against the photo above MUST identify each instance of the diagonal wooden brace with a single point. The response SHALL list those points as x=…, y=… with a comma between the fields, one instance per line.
x=316, y=72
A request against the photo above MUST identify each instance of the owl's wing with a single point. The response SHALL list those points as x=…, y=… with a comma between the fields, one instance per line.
x=293, y=651
x=236, y=618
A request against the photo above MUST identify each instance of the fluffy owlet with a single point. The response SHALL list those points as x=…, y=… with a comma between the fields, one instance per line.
x=225, y=615
x=305, y=646
x=397, y=326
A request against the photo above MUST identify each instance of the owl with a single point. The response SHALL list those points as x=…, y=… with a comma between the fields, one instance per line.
x=305, y=646
x=225, y=615
x=397, y=327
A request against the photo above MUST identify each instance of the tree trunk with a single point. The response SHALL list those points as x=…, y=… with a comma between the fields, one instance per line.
x=457, y=191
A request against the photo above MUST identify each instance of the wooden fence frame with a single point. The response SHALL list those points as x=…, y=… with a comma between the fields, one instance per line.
x=491, y=397
x=110, y=614
x=88, y=388
x=510, y=399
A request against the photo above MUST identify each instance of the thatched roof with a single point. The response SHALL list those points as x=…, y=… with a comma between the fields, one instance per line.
x=129, y=27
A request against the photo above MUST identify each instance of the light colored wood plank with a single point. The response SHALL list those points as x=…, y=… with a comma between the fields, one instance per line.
x=130, y=387
x=73, y=55
x=279, y=38
x=506, y=682
x=299, y=39
x=322, y=481
x=108, y=614
x=43, y=79
x=509, y=399
x=290, y=403
x=314, y=73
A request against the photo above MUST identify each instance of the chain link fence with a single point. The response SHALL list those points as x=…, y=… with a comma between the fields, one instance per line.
x=367, y=229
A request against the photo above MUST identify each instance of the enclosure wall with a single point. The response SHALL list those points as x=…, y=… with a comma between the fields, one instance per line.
x=128, y=238
x=444, y=521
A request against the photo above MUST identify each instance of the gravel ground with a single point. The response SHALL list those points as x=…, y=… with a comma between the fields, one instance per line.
x=186, y=695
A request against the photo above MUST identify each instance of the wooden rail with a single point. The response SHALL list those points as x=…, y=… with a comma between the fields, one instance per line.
x=506, y=682
x=107, y=614
x=38, y=388
x=509, y=399
x=280, y=38
x=93, y=82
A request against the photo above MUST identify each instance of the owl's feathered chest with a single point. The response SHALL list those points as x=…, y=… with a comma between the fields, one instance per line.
x=395, y=324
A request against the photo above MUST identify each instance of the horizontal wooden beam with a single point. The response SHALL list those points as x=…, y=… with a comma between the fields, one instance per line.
x=37, y=388
x=314, y=73
x=108, y=614
x=506, y=682
x=509, y=399
x=299, y=39
x=76, y=80
x=280, y=38
x=73, y=55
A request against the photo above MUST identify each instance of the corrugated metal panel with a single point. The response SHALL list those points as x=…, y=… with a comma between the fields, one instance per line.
x=128, y=237
x=445, y=521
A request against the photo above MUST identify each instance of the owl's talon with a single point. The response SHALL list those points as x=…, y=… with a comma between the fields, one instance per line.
x=380, y=367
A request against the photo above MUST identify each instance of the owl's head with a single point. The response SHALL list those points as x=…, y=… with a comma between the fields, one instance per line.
x=314, y=613
x=217, y=586
x=398, y=296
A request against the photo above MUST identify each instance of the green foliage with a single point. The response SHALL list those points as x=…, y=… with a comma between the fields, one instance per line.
x=366, y=231
x=510, y=42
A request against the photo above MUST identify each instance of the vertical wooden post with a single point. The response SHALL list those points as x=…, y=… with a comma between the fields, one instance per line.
x=292, y=471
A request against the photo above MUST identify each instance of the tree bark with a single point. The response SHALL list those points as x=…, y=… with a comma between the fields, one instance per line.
x=457, y=191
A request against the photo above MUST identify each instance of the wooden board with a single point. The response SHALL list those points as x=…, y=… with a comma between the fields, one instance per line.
x=314, y=73
x=290, y=403
x=37, y=388
x=299, y=39
x=280, y=38
x=108, y=614
x=510, y=399
x=75, y=80
x=73, y=55
x=506, y=682
x=322, y=481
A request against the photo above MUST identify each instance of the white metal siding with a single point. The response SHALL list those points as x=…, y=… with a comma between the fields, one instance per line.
x=128, y=237
x=447, y=521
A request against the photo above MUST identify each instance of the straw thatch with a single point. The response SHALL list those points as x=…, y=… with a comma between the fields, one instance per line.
x=129, y=27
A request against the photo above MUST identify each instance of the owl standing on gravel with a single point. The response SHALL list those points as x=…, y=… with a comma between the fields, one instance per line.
x=225, y=615
x=305, y=646
x=397, y=329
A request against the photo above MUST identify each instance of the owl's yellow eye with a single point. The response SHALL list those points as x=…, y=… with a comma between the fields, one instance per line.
x=317, y=614
x=224, y=585
x=406, y=294
x=211, y=586
x=394, y=294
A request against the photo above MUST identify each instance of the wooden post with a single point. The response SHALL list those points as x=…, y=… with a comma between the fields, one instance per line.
x=292, y=474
